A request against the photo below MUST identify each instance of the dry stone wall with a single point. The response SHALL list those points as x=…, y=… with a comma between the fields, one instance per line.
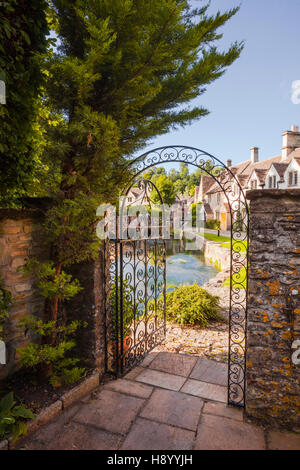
x=20, y=238
x=273, y=377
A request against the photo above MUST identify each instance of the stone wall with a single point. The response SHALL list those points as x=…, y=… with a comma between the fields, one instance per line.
x=88, y=306
x=217, y=255
x=273, y=380
x=19, y=239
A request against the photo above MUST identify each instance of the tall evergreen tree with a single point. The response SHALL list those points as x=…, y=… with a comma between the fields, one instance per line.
x=124, y=72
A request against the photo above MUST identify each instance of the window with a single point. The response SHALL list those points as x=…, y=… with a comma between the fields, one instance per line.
x=254, y=184
x=129, y=199
x=218, y=198
x=272, y=182
x=293, y=178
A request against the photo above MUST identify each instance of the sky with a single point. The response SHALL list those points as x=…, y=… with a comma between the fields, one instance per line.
x=251, y=105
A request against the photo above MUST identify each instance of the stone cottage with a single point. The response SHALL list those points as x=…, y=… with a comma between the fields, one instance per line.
x=279, y=172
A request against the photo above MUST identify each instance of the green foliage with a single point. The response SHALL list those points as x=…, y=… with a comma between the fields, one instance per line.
x=213, y=224
x=123, y=78
x=12, y=417
x=55, y=339
x=192, y=305
x=50, y=283
x=239, y=280
x=239, y=246
x=35, y=354
x=128, y=308
x=66, y=372
x=195, y=208
x=23, y=30
x=5, y=301
x=166, y=189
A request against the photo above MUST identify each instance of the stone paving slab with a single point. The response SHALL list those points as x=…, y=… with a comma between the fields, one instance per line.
x=148, y=435
x=77, y=436
x=175, y=408
x=205, y=390
x=283, y=441
x=211, y=372
x=220, y=409
x=156, y=410
x=218, y=433
x=132, y=375
x=111, y=411
x=161, y=379
x=148, y=359
x=48, y=432
x=178, y=364
x=130, y=388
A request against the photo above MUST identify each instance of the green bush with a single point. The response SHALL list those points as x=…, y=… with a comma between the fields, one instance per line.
x=128, y=307
x=5, y=301
x=213, y=224
x=192, y=305
x=12, y=417
x=62, y=370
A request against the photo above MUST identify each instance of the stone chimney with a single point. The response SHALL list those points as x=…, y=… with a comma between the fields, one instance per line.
x=290, y=141
x=254, y=155
x=228, y=163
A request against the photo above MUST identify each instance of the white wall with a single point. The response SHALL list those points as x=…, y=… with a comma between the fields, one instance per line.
x=272, y=172
x=293, y=166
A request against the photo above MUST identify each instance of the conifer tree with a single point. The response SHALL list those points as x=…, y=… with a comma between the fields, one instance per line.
x=124, y=71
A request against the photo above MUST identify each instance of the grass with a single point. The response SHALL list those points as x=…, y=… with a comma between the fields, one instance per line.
x=239, y=279
x=225, y=242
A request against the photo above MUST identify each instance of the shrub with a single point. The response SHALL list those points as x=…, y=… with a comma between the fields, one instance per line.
x=62, y=370
x=128, y=307
x=12, y=417
x=192, y=305
x=213, y=224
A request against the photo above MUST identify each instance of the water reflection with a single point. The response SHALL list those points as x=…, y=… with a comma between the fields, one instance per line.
x=185, y=268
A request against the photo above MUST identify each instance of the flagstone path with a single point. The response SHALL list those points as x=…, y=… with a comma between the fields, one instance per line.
x=170, y=402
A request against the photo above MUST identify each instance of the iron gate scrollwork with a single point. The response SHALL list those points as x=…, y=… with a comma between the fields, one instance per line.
x=135, y=271
x=239, y=213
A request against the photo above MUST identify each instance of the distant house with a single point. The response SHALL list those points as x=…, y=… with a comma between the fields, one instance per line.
x=279, y=172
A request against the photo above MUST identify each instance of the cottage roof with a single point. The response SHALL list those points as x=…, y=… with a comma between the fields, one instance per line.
x=280, y=168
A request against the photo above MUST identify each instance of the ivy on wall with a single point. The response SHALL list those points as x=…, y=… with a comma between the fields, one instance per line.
x=23, y=30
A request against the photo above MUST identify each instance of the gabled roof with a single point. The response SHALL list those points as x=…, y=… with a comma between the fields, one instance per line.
x=261, y=175
x=208, y=209
x=297, y=160
x=135, y=192
x=280, y=168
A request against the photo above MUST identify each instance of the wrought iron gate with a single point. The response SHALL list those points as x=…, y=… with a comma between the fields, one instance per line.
x=127, y=343
x=135, y=295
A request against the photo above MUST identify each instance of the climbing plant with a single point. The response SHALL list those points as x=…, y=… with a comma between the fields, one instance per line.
x=23, y=30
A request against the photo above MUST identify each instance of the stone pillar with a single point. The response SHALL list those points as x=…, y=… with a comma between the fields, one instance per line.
x=88, y=306
x=273, y=376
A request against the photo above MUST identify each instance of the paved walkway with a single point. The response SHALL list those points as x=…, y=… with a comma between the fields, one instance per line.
x=170, y=402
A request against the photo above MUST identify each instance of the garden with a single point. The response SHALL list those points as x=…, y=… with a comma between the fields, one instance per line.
x=78, y=106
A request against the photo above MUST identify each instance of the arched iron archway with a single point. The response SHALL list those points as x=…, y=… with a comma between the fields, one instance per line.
x=239, y=214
